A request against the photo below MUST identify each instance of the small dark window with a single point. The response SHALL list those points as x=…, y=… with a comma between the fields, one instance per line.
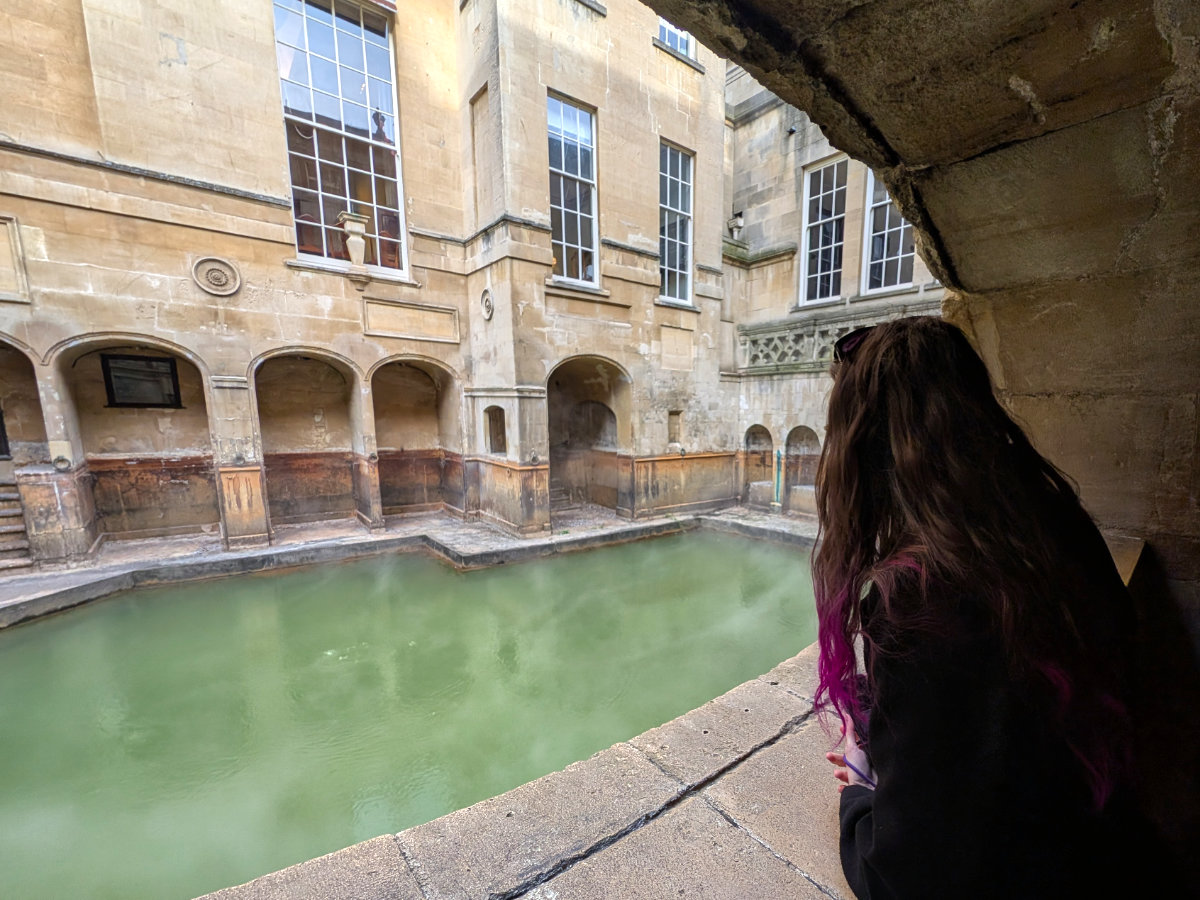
x=497, y=442
x=674, y=419
x=4, y=454
x=141, y=380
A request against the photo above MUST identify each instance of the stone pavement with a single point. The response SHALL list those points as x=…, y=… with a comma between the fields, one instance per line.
x=732, y=801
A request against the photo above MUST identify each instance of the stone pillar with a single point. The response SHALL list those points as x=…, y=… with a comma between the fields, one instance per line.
x=241, y=482
x=60, y=511
x=368, y=501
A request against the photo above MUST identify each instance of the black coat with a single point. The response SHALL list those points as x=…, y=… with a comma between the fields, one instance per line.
x=978, y=794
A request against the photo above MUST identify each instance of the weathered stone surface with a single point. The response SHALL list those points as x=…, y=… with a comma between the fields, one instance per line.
x=372, y=870
x=697, y=745
x=517, y=838
x=690, y=851
x=798, y=674
x=784, y=785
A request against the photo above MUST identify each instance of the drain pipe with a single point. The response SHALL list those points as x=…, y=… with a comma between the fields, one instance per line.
x=777, y=505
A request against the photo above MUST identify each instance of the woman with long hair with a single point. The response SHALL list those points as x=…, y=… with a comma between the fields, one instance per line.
x=987, y=731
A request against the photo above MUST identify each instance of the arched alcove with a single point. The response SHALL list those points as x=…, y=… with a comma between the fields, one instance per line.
x=588, y=406
x=305, y=423
x=144, y=430
x=416, y=432
x=758, y=467
x=801, y=454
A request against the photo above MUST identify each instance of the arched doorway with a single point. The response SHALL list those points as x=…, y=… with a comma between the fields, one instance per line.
x=758, y=468
x=587, y=401
x=417, y=435
x=802, y=453
x=22, y=443
x=304, y=420
x=143, y=426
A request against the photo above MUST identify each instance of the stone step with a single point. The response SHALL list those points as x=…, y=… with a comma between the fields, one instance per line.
x=12, y=528
x=11, y=549
x=17, y=562
x=10, y=513
x=9, y=495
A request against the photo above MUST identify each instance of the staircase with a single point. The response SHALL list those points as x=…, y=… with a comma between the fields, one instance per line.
x=560, y=497
x=14, y=543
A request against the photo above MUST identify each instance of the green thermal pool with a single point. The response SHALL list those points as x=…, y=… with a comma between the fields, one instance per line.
x=172, y=741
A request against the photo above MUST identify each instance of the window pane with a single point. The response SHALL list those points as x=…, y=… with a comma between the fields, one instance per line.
x=297, y=100
x=374, y=28
x=358, y=154
x=320, y=10
x=906, y=270
x=333, y=179
x=320, y=39
x=293, y=65
x=350, y=50
x=300, y=139
x=289, y=27
x=357, y=118
x=304, y=172
x=380, y=95
x=328, y=110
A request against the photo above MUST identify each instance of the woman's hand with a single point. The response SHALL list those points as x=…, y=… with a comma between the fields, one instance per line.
x=852, y=766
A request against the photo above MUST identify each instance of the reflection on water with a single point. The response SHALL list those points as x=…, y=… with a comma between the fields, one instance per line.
x=177, y=740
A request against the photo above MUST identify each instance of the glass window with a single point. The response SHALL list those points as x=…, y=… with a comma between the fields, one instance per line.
x=140, y=380
x=572, y=190
x=889, y=261
x=824, y=232
x=675, y=223
x=676, y=38
x=335, y=70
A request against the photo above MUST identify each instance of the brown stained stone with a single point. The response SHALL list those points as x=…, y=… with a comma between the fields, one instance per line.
x=691, y=851
x=787, y=797
x=797, y=675
x=697, y=745
x=372, y=870
x=507, y=841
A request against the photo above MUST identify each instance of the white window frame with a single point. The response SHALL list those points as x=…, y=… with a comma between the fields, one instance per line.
x=677, y=39
x=665, y=209
x=401, y=270
x=869, y=207
x=807, y=224
x=562, y=172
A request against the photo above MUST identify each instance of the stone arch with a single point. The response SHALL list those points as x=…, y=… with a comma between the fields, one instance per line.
x=418, y=434
x=305, y=402
x=141, y=408
x=588, y=404
x=801, y=455
x=22, y=423
x=758, y=466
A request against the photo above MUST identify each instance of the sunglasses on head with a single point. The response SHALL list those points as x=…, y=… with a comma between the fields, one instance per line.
x=844, y=347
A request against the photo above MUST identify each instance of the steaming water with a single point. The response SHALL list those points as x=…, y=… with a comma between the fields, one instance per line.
x=173, y=741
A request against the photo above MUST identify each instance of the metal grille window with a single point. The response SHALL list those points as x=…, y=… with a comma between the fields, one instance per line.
x=675, y=223
x=676, y=38
x=335, y=70
x=572, y=190
x=890, y=238
x=825, y=218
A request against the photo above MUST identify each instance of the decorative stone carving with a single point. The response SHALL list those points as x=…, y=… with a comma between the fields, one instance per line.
x=216, y=276
x=489, y=307
x=355, y=226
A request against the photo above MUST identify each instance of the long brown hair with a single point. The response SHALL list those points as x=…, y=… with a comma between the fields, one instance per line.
x=925, y=479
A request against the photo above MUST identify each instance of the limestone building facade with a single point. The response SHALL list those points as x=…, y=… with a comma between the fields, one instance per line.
x=283, y=260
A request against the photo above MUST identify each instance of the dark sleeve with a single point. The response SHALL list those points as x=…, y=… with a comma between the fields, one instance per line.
x=936, y=740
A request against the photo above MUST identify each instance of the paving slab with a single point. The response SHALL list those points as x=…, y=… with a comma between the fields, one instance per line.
x=372, y=870
x=500, y=846
x=786, y=796
x=699, y=744
x=689, y=852
x=797, y=675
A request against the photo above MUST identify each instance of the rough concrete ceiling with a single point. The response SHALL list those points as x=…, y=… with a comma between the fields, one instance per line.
x=1028, y=140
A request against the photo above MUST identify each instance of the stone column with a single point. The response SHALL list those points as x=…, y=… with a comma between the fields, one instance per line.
x=241, y=481
x=60, y=512
x=368, y=501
